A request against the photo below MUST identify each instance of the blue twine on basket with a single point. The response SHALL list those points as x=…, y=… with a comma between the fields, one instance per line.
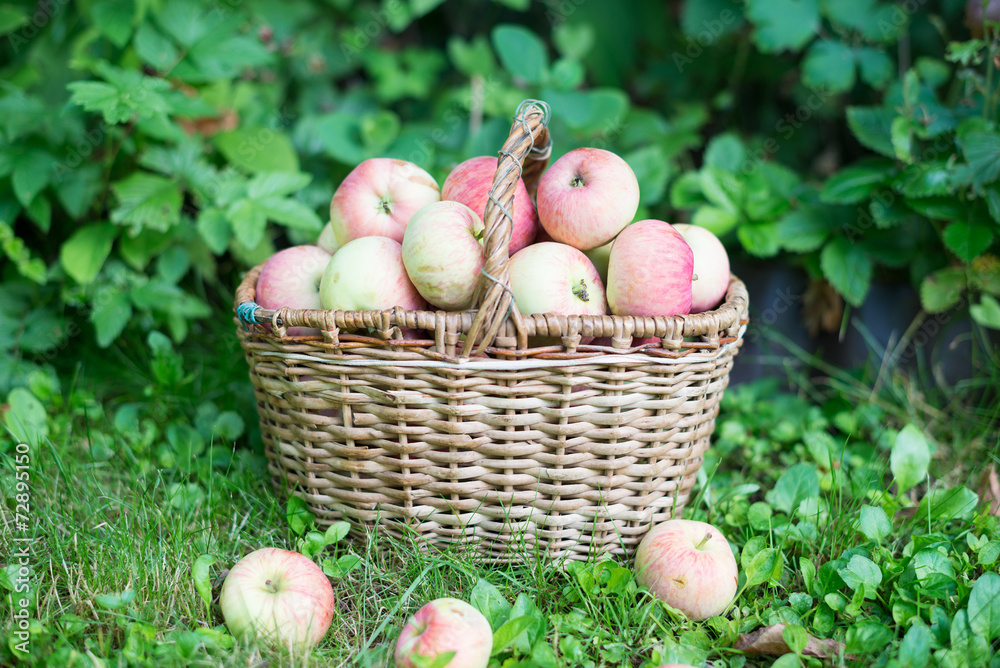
x=247, y=313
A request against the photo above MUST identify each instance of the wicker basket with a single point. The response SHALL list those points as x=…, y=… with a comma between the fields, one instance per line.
x=572, y=450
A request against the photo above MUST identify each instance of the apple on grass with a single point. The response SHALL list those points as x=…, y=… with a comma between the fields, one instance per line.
x=690, y=566
x=443, y=254
x=650, y=271
x=279, y=597
x=291, y=278
x=378, y=198
x=587, y=197
x=446, y=625
x=470, y=183
x=711, y=267
x=367, y=274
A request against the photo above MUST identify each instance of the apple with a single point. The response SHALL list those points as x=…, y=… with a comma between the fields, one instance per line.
x=650, y=271
x=587, y=197
x=291, y=278
x=689, y=565
x=367, y=274
x=446, y=625
x=378, y=198
x=555, y=278
x=278, y=596
x=470, y=183
x=328, y=239
x=443, y=254
x=600, y=256
x=711, y=267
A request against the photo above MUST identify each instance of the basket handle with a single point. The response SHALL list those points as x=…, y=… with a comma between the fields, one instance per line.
x=524, y=155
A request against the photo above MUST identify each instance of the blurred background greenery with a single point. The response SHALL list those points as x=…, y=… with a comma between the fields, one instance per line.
x=845, y=150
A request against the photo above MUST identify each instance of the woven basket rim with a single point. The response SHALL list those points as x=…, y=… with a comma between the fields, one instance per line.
x=720, y=325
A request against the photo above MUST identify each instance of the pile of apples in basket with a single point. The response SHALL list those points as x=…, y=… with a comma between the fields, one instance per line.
x=396, y=239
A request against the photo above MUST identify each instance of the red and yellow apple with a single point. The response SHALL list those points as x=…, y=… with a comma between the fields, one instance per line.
x=443, y=254
x=587, y=197
x=378, y=198
x=279, y=597
x=446, y=625
x=689, y=565
x=711, y=267
x=291, y=278
x=367, y=274
x=470, y=183
x=650, y=271
x=555, y=278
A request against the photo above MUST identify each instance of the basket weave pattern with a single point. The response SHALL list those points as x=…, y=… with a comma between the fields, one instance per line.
x=573, y=449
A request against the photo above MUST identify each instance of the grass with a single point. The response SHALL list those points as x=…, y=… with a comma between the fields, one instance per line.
x=159, y=464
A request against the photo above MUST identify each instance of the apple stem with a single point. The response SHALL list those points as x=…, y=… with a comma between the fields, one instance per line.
x=694, y=277
x=703, y=541
x=577, y=181
x=581, y=291
x=385, y=205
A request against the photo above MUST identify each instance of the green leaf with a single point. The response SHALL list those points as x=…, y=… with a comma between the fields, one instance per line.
x=874, y=523
x=521, y=52
x=982, y=151
x=32, y=172
x=829, y=66
x=115, y=600
x=872, y=127
x=783, y=24
x=848, y=268
x=986, y=312
x=686, y=192
x=573, y=40
x=202, y=576
x=803, y=230
x=474, y=57
x=868, y=636
x=214, y=228
x=114, y=19
x=26, y=417
x=718, y=221
x=125, y=94
x=796, y=484
x=298, y=516
x=336, y=532
x=154, y=48
x=947, y=504
x=290, y=213
x=228, y=426
x=876, y=66
x=267, y=184
x=760, y=239
x=968, y=240
x=147, y=201
x=112, y=311
x=901, y=133
x=258, y=150
x=84, y=253
x=855, y=184
x=942, y=289
x=77, y=188
x=862, y=573
x=760, y=567
x=40, y=211
x=915, y=650
x=487, y=599
x=927, y=179
x=910, y=457
x=507, y=634
x=249, y=222
x=12, y=18
x=652, y=171
x=725, y=152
